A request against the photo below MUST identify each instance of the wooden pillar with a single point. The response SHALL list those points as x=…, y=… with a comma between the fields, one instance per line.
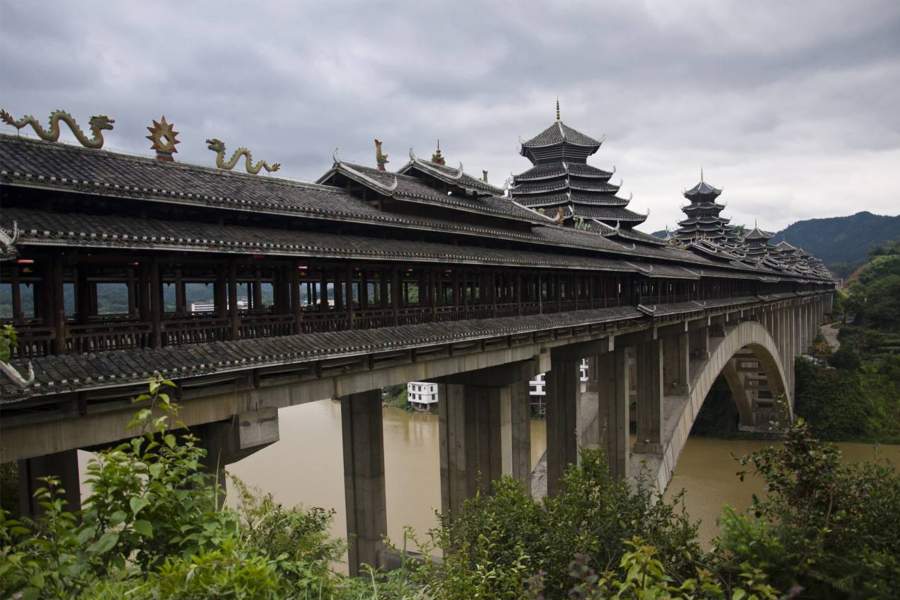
x=395, y=294
x=180, y=307
x=220, y=292
x=82, y=295
x=562, y=386
x=363, y=443
x=156, y=307
x=350, y=281
x=57, y=312
x=233, y=313
x=296, y=306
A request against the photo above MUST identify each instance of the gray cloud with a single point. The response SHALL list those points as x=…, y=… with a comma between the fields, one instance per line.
x=791, y=107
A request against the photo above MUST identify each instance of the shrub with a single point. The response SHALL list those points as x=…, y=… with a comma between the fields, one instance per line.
x=497, y=542
x=828, y=528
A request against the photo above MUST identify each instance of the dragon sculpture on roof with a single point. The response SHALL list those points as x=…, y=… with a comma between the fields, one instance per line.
x=381, y=158
x=218, y=146
x=98, y=124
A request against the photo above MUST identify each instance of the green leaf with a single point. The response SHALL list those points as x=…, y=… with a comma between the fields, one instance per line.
x=144, y=528
x=85, y=534
x=117, y=518
x=155, y=470
x=37, y=580
x=169, y=439
x=106, y=543
x=137, y=504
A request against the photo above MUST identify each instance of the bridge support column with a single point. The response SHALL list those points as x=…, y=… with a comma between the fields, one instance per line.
x=613, y=396
x=515, y=432
x=562, y=386
x=63, y=466
x=649, y=397
x=229, y=441
x=699, y=343
x=364, y=491
x=676, y=363
x=470, y=442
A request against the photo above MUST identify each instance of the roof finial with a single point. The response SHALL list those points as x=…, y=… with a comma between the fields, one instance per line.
x=557, y=108
x=438, y=158
x=701, y=174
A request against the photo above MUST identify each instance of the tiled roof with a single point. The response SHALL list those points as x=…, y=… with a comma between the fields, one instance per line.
x=560, y=133
x=559, y=169
x=450, y=175
x=702, y=189
x=66, y=168
x=412, y=189
x=44, y=228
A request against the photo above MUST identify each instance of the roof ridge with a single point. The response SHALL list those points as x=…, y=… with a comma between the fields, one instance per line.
x=147, y=160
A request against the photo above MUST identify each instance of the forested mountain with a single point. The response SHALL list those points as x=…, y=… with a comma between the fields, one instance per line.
x=842, y=242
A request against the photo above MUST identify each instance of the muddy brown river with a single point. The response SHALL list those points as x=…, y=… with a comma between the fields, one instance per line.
x=306, y=467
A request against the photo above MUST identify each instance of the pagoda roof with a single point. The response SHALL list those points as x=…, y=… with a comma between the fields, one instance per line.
x=702, y=192
x=784, y=247
x=758, y=234
x=560, y=133
x=449, y=175
x=543, y=186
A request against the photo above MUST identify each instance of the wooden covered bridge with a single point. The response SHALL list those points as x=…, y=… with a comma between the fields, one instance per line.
x=255, y=293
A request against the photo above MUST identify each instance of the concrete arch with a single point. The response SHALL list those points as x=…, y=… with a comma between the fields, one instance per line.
x=681, y=411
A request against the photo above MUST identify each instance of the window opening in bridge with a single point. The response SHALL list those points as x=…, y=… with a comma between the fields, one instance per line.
x=354, y=288
x=200, y=296
x=373, y=293
x=112, y=298
x=410, y=293
x=169, y=296
x=69, y=299
x=266, y=294
x=244, y=297
x=6, y=307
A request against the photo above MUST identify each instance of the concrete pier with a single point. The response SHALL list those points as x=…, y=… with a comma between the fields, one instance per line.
x=364, y=490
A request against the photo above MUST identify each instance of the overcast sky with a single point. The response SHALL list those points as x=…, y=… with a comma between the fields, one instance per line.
x=792, y=107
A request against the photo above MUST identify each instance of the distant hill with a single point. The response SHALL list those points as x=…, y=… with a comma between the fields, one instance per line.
x=843, y=243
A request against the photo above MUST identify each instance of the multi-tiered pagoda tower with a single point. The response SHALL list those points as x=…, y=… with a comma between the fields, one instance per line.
x=561, y=184
x=703, y=220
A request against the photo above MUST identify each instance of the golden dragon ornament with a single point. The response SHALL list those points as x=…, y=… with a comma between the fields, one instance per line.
x=98, y=124
x=218, y=146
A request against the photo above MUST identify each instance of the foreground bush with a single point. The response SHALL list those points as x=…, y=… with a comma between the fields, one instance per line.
x=499, y=541
x=828, y=529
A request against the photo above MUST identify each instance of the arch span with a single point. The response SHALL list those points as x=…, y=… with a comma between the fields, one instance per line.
x=681, y=411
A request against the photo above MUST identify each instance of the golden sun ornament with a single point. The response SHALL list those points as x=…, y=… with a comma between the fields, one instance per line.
x=164, y=138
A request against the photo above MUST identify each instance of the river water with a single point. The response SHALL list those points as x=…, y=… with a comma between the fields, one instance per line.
x=306, y=467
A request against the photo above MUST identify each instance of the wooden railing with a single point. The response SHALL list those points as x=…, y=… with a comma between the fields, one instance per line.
x=266, y=325
x=34, y=339
x=102, y=336
x=195, y=330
